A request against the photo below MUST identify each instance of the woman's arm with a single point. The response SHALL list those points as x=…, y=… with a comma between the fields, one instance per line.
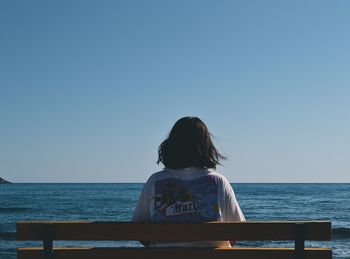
x=141, y=212
x=232, y=210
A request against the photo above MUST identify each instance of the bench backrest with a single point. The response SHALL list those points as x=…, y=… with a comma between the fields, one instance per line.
x=48, y=231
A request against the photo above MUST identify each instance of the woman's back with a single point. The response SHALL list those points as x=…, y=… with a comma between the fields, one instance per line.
x=188, y=195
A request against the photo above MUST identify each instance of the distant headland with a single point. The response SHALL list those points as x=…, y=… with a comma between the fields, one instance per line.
x=3, y=181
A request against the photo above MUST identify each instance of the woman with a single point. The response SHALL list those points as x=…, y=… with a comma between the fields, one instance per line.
x=188, y=189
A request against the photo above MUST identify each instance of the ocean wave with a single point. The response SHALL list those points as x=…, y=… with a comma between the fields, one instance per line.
x=341, y=233
x=8, y=236
x=13, y=209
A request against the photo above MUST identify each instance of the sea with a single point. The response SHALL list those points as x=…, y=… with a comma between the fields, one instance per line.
x=116, y=202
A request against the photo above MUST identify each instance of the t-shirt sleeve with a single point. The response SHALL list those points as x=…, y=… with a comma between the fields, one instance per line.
x=231, y=210
x=142, y=212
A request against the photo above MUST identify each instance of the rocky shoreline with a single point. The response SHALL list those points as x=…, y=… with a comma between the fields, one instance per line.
x=3, y=181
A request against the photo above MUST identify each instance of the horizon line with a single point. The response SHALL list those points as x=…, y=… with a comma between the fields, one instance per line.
x=145, y=182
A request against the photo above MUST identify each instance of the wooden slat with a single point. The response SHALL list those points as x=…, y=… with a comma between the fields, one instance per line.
x=174, y=253
x=89, y=230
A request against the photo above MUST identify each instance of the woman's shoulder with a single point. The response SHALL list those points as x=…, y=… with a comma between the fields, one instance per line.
x=158, y=175
x=217, y=175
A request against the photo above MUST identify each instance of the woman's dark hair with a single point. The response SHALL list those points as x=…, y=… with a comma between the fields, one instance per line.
x=189, y=144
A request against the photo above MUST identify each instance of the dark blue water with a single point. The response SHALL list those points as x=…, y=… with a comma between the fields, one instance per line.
x=115, y=202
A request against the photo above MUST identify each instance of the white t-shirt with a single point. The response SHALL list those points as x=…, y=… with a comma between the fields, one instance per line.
x=188, y=195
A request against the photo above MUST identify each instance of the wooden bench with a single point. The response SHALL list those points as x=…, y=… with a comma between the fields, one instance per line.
x=48, y=231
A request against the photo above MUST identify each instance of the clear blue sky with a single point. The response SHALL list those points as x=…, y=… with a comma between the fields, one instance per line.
x=89, y=89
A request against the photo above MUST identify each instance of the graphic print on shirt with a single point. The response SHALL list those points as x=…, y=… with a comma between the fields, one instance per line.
x=186, y=200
